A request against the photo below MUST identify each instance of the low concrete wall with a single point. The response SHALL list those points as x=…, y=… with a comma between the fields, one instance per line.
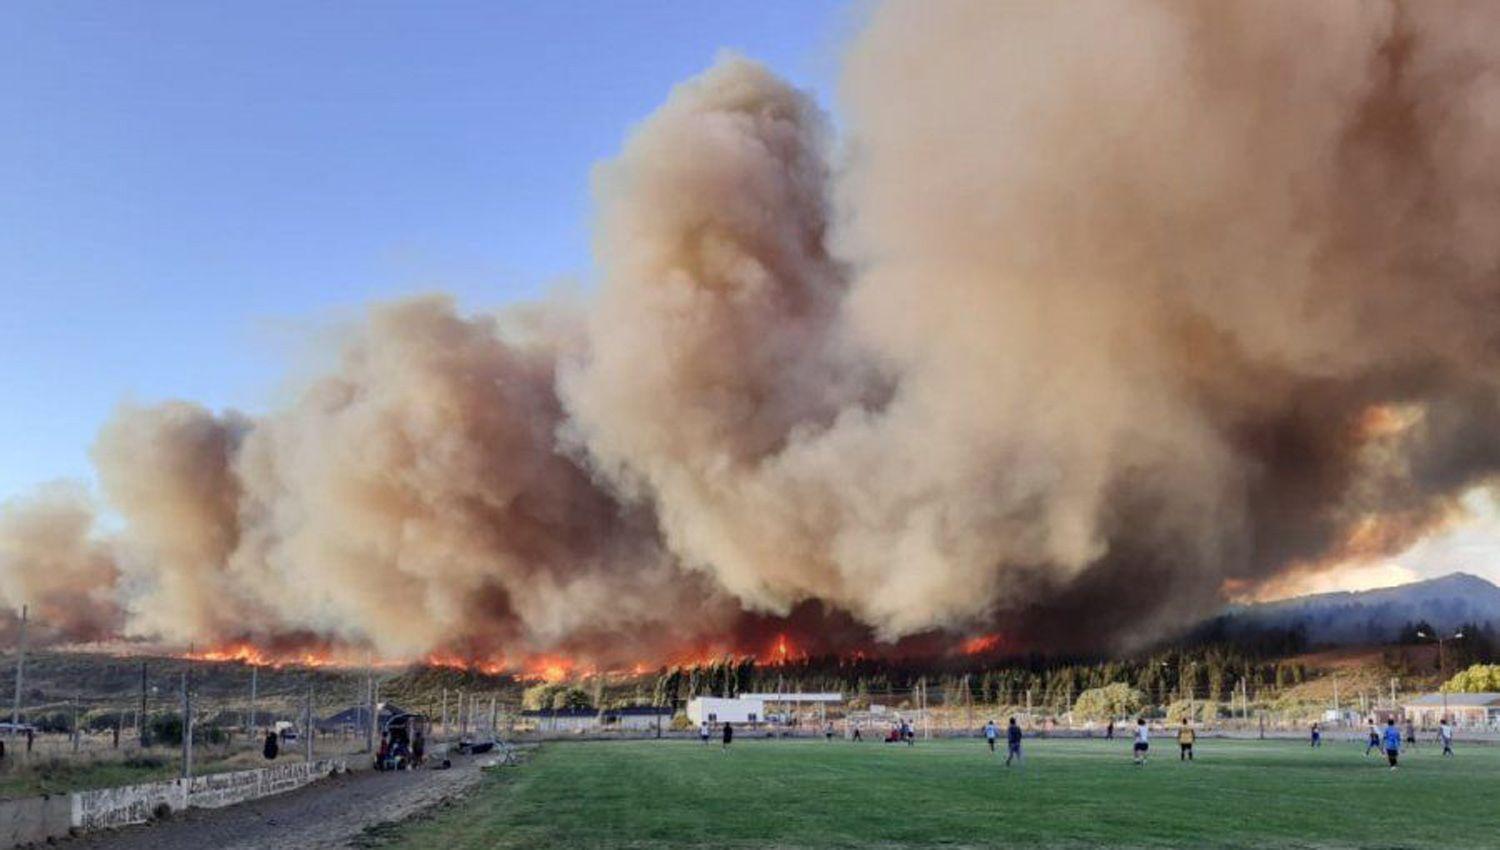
x=106, y=808
x=33, y=820
x=226, y=789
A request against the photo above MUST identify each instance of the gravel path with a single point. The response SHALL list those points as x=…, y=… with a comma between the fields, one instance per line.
x=326, y=814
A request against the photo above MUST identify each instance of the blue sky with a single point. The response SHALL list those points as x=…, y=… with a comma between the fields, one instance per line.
x=192, y=188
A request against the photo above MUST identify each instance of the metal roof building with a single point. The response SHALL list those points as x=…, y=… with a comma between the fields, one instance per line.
x=1482, y=709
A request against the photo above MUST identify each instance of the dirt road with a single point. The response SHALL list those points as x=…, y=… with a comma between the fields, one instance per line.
x=327, y=814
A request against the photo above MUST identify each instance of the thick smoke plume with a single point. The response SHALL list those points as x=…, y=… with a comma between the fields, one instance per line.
x=1095, y=314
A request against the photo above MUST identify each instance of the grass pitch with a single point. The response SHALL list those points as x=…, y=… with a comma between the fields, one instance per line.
x=1072, y=793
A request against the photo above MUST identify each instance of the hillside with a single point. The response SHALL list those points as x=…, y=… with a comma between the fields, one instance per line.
x=1364, y=617
x=103, y=683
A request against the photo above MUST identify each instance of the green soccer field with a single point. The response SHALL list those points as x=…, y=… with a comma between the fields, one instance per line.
x=1077, y=793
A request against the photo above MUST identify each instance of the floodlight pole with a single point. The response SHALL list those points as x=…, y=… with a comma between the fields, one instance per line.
x=1443, y=689
x=187, y=725
x=370, y=706
x=15, y=712
x=140, y=724
x=307, y=731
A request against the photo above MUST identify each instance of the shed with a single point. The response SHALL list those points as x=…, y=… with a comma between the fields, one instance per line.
x=726, y=710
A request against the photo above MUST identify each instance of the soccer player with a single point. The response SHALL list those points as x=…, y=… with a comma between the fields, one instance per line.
x=1411, y=732
x=1374, y=740
x=728, y=736
x=1185, y=739
x=1392, y=742
x=1445, y=735
x=703, y=731
x=1013, y=741
x=991, y=733
x=1317, y=736
x=1142, y=742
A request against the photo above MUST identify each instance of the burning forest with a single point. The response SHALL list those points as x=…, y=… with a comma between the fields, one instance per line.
x=1040, y=349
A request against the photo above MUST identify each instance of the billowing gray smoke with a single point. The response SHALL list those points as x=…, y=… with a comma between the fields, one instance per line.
x=1090, y=317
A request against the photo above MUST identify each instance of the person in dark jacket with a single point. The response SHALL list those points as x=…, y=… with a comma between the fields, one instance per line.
x=272, y=747
x=728, y=736
x=1013, y=742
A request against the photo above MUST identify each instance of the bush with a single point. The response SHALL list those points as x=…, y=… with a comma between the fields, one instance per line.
x=555, y=696
x=1109, y=702
x=165, y=729
x=142, y=761
x=1192, y=711
x=57, y=721
x=1478, y=679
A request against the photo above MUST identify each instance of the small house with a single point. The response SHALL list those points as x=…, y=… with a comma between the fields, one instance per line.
x=714, y=710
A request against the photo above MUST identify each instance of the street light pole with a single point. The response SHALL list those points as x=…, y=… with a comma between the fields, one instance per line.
x=1443, y=688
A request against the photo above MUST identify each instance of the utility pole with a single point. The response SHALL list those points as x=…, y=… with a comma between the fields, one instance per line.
x=140, y=727
x=254, y=686
x=15, y=712
x=1393, y=696
x=445, y=711
x=187, y=727
x=968, y=704
x=494, y=716
x=370, y=706
x=76, y=732
x=307, y=728
x=1336, y=711
x=926, y=724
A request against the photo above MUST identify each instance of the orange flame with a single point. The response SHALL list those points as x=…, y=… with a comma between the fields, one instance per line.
x=782, y=652
x=980, y=644
x=249, y=653
x=488, y=666
x=553, y=668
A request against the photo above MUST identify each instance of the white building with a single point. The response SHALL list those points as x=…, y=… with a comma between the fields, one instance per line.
x=579, y=720
x=787, y=708
x=720, y=710
x=1463, y=709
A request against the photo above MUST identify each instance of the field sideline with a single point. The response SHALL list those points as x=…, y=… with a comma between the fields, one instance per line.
x=1078, y=793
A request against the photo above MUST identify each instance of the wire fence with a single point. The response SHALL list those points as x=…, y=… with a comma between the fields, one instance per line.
x=184, y=717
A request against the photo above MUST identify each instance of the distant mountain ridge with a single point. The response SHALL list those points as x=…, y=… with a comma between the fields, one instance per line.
x=1365, y=616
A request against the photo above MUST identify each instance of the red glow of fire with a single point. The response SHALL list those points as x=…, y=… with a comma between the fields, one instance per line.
x=980, y=644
